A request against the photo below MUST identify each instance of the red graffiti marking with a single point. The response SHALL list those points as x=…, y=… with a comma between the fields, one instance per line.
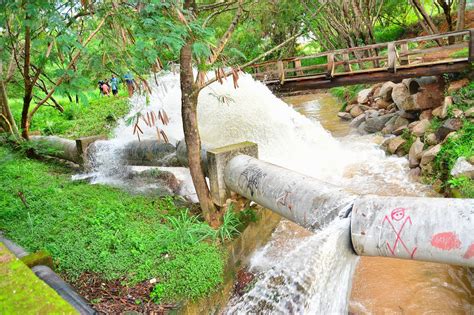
x=470, y=252
x=397, y=215
x=285, y=200
x=446, y=241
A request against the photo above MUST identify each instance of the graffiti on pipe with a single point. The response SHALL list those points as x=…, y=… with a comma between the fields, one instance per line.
x=397, y=222
x=470, y=252
x=285, y=200
x=446, y=241
x=253, y=175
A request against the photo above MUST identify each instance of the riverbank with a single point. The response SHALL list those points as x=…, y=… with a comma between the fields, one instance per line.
x=432, y=128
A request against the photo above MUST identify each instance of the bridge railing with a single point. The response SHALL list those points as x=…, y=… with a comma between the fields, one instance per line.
x=448, y=47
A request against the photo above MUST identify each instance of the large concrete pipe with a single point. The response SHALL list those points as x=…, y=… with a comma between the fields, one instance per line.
x=182, y=154
x=150, y=153
x=299, y=198
x=430, y=229
x=61, y=148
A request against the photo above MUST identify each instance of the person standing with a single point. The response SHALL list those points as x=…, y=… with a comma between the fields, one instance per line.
x=114, y=84
x=129, y=81
x=105, y=88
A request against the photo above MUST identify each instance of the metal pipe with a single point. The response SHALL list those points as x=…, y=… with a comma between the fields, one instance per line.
x=430, y=229
x=302, y=199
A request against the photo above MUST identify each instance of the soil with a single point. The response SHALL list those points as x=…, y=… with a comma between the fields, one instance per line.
x=115, y=297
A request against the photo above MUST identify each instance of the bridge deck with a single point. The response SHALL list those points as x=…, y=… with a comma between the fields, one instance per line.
x=393, y=61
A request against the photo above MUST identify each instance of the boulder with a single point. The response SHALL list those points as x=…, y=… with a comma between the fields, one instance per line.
x=400, y=122
x=441, y=111
x=356, y=111
x=395, y=144
x=400, y=130
x=415, y=173
x=363, y=96
x=426, y=114
x=389, y=125
x=361, y=128
x=450, y=125
x=429, y=154
x=469, y=113
x=380, y=103
x=385, y=92
x=344, y=116
x=371, y=113
x=462, y=167
x=357, y=121
x=420, y=128
x=414, y=155
x=364, y=107
x=377, y=123
x=430, y=139
x=400, y=93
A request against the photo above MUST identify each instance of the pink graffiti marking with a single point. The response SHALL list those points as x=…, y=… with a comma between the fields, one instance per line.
x=285, y=200
x=470, y=252
x=397, y=215
x=446, y=241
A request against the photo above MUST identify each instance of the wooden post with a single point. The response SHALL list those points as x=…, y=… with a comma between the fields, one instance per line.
x=330, y=66
x=404, y=60
x=471, y=45
x=298, y=66
x=347, y=65
x=392, y=58
x=281, y=71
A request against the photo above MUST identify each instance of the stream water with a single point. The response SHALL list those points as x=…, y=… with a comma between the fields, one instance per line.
x=299, y=272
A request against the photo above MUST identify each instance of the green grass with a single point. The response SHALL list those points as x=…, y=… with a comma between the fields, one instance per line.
x=460, y=53
x=96, y=117
x=103, y=230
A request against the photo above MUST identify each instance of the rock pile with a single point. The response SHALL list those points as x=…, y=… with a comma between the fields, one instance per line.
x=403, y=112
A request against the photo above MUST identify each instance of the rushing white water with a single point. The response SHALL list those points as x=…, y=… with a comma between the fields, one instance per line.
x=314, y=276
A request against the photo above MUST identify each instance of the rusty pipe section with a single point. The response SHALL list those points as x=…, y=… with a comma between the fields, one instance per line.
x=302, y=199
x=430, y=229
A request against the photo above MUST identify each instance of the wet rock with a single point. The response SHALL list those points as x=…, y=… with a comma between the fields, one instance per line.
x=426, y=114
x=462, y=167
x=377, y=123
x=428, y=155
x=363, y=96
x=361, y=128
x=356, y=111
x=415, y=173
x=414, y=155
x=395, y=144
x=385, y=92
x=450, y=125
x=420, y=128
x=430, y=139
x=389, y=125
x=469, y=113
x=344, y=116
x=357, y=121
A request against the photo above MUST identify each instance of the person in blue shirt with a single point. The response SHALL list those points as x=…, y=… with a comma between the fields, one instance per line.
x=114, y=85
x=129, y=80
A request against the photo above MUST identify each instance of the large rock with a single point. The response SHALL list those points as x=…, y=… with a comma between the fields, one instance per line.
x=385, y=92
x=371, y=113
x=426, y=114
x=400, y=122
x=377, y=123
x=380, y=103
x=462, y=168
x=400, y=93
x=421, y=127
x=431, y=139
x=450, y=125
x=361, y=128
x=429, y=155
x=395, y=144
x=441, y=111
x=356, y=111
x=350, y=106
x=364, y=96
x=357, y=121
x=344, y=116
x=414, y=155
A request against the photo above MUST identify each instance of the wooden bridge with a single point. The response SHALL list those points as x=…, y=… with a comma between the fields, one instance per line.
x=393, y=61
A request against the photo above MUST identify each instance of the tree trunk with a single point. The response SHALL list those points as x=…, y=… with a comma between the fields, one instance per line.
x=460, y=18
x=9, y=125
x=418, y=6
x=189, y=99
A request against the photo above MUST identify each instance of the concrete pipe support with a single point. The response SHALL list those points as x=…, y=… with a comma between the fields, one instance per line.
x=302, y=199
x=430, y=229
